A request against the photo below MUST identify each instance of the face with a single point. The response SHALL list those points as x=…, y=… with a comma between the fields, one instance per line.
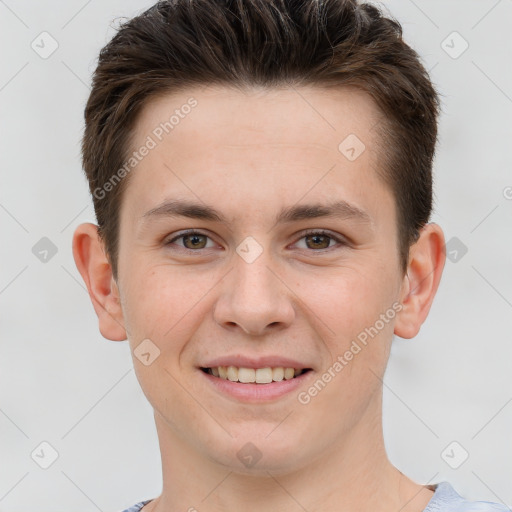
x=252, y=277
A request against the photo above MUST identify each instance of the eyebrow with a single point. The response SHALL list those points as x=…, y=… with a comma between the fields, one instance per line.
x=192, y=210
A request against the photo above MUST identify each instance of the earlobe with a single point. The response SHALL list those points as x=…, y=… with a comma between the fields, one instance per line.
x=95, y=269
x=426, y=262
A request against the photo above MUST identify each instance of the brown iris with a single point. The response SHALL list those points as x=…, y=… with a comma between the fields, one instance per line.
x=317, y=241
x=196, y=241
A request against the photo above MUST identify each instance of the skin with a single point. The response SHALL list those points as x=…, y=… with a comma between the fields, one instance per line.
x=250, y=154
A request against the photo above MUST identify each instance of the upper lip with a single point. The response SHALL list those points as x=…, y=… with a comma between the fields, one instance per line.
x=241, y=361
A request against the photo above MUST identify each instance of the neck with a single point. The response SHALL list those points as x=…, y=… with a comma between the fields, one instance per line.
x=355, y=474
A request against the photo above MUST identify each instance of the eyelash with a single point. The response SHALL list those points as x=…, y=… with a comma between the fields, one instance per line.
x=311, y=232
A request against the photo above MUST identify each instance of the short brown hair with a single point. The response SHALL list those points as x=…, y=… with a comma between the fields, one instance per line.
x=177, y=44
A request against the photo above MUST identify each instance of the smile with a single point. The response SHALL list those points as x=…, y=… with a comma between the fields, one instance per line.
x=255, y=385
x=254, y=375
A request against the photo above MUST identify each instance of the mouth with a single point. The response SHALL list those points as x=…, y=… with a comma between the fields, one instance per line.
x=261, y=376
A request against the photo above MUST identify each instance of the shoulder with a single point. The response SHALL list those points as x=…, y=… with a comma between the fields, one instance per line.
x=446, y=499
x=137, y=507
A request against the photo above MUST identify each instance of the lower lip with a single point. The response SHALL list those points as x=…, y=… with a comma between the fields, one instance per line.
x=256, y=392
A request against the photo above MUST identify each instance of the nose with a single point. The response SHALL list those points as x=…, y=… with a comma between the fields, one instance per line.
x=254, y=298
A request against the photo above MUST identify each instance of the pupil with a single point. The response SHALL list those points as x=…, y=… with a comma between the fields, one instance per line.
x=194, y=239
x=316, y=239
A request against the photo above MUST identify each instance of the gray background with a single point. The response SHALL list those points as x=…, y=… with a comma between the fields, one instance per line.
x=62, y=383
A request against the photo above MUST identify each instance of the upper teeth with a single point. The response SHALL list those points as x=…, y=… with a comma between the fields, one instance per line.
x=260, y=375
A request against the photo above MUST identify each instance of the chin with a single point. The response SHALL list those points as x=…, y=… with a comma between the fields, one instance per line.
x=260, y=453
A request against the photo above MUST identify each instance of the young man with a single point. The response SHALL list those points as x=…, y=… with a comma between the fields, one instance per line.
x=261, y=176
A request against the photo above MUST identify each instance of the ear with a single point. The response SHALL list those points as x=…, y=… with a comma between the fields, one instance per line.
x=95, y=269
x=426, y=262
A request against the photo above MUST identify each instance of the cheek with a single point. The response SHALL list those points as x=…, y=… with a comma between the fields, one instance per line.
x=347, y=300
x=357, y=313
x=352, y=379
x=163, y=304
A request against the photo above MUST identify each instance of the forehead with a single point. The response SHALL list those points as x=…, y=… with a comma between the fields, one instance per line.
x=268, y=145
x=258, y=115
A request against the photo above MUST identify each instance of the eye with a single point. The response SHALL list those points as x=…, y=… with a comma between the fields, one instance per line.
x=320, y=240
x=317, y=240
x=191, y=240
